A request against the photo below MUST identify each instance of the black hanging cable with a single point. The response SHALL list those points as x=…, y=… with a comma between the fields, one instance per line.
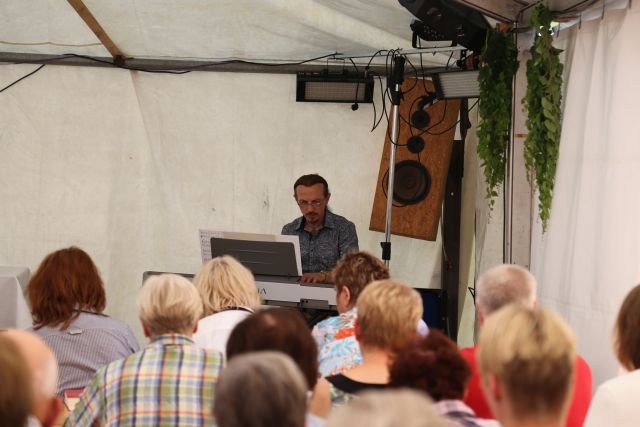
x=22, y=78
x=354, y=106
x=454, y=125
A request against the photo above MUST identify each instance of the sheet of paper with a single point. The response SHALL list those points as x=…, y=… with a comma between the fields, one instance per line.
x=205, y=243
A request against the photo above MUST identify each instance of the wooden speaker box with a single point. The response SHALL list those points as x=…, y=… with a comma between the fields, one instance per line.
x=421, y=165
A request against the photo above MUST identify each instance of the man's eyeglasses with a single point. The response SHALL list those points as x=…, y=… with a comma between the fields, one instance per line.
x=305, y=203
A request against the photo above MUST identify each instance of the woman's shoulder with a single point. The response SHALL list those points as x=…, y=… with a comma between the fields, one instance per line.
x=624, y=385
x=222, y=320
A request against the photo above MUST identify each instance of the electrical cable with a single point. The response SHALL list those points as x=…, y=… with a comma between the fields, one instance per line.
x=454, y=125
x=23, y=77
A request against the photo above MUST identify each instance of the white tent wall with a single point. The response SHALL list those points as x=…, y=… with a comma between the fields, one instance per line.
x=130, y=165
x=590, y=258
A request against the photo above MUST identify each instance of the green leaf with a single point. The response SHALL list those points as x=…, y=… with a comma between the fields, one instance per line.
x=542, y=102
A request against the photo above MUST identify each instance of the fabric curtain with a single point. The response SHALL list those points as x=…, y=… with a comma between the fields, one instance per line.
x=590, y=256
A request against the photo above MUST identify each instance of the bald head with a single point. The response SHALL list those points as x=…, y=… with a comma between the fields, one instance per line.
x=504, y=285
x=44, y=373
x=40, y=359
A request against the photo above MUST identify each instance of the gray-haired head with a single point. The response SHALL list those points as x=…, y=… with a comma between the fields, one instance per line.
x=388, y=408
x=503, y=285
x=261, y=389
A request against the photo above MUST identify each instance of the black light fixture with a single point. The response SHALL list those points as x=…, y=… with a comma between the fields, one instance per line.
x=447, y=20
x=345, y=86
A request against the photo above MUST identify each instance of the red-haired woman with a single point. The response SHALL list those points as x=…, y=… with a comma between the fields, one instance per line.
x=434, y=365
x=67, y=298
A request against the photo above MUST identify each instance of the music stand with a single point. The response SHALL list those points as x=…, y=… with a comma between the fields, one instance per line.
x=262, y=258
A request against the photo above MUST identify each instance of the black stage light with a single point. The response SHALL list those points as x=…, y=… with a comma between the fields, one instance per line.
x=446, y=20
x=347, y=87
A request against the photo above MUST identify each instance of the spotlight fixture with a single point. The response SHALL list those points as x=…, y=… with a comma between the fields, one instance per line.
x=457, y=84
x=447, y=20
x=347, y=87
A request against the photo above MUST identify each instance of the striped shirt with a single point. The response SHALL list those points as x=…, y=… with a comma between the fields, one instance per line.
x=322, y=250
x=170, y=383
x=90, y=342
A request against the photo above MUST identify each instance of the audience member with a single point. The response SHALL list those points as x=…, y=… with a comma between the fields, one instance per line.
x=433, y=364
x=171, y=381
x=338, y=349
x=615, y=401
x=277, y=329
x=496, y=288
x=67, y=299
x=527, y=359
x=16, y=399
x=388, y=312
x=43, y=379
x=388, y=408
x=229, y=295
x=273, y=385
x=282, y=330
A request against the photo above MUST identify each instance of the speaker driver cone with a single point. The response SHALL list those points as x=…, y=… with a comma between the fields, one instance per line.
x=411, y=184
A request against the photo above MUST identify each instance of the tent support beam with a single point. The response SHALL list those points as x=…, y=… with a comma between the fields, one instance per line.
x=172, y=64
x=97, y=29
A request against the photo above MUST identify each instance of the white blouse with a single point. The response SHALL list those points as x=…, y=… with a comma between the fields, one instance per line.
x=214, y=330
x=616, y=403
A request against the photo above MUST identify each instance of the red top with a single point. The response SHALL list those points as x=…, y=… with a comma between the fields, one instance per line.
x=579, y=404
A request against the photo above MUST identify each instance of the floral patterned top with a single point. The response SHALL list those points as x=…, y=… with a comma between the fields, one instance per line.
x=338, y=350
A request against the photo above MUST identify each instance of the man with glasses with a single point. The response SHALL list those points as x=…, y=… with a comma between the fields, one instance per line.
x=324, y=236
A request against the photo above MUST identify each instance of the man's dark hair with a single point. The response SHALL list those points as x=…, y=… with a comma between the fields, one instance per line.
x=309, y=180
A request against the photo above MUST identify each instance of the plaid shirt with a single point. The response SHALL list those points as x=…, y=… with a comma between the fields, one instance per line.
x=169, y=383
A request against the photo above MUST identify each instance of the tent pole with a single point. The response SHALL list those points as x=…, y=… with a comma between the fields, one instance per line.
x=395, y=83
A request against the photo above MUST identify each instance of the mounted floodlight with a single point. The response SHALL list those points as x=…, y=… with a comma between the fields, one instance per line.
x=447, y=20
x=348, y=87
x=457, y=84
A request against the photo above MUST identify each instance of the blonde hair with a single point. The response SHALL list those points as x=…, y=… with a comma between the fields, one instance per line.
x=169, y=304
x=388, y=408
x=505, y=284
x=388, y=314
x=532, y=353
x=224, y=282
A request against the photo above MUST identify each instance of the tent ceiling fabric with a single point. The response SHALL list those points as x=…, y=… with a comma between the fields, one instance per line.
x=47, y=27
x=259, y=30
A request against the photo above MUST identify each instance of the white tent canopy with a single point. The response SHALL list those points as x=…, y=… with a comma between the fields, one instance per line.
x=258, y=30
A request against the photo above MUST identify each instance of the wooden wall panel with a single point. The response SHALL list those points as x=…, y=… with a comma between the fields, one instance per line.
x=421, y=220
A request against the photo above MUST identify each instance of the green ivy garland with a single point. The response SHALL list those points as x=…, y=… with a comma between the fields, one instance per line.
x=543, y=103
x=500, y=62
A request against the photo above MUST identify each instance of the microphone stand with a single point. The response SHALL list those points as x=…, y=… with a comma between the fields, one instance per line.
x=394, y=83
